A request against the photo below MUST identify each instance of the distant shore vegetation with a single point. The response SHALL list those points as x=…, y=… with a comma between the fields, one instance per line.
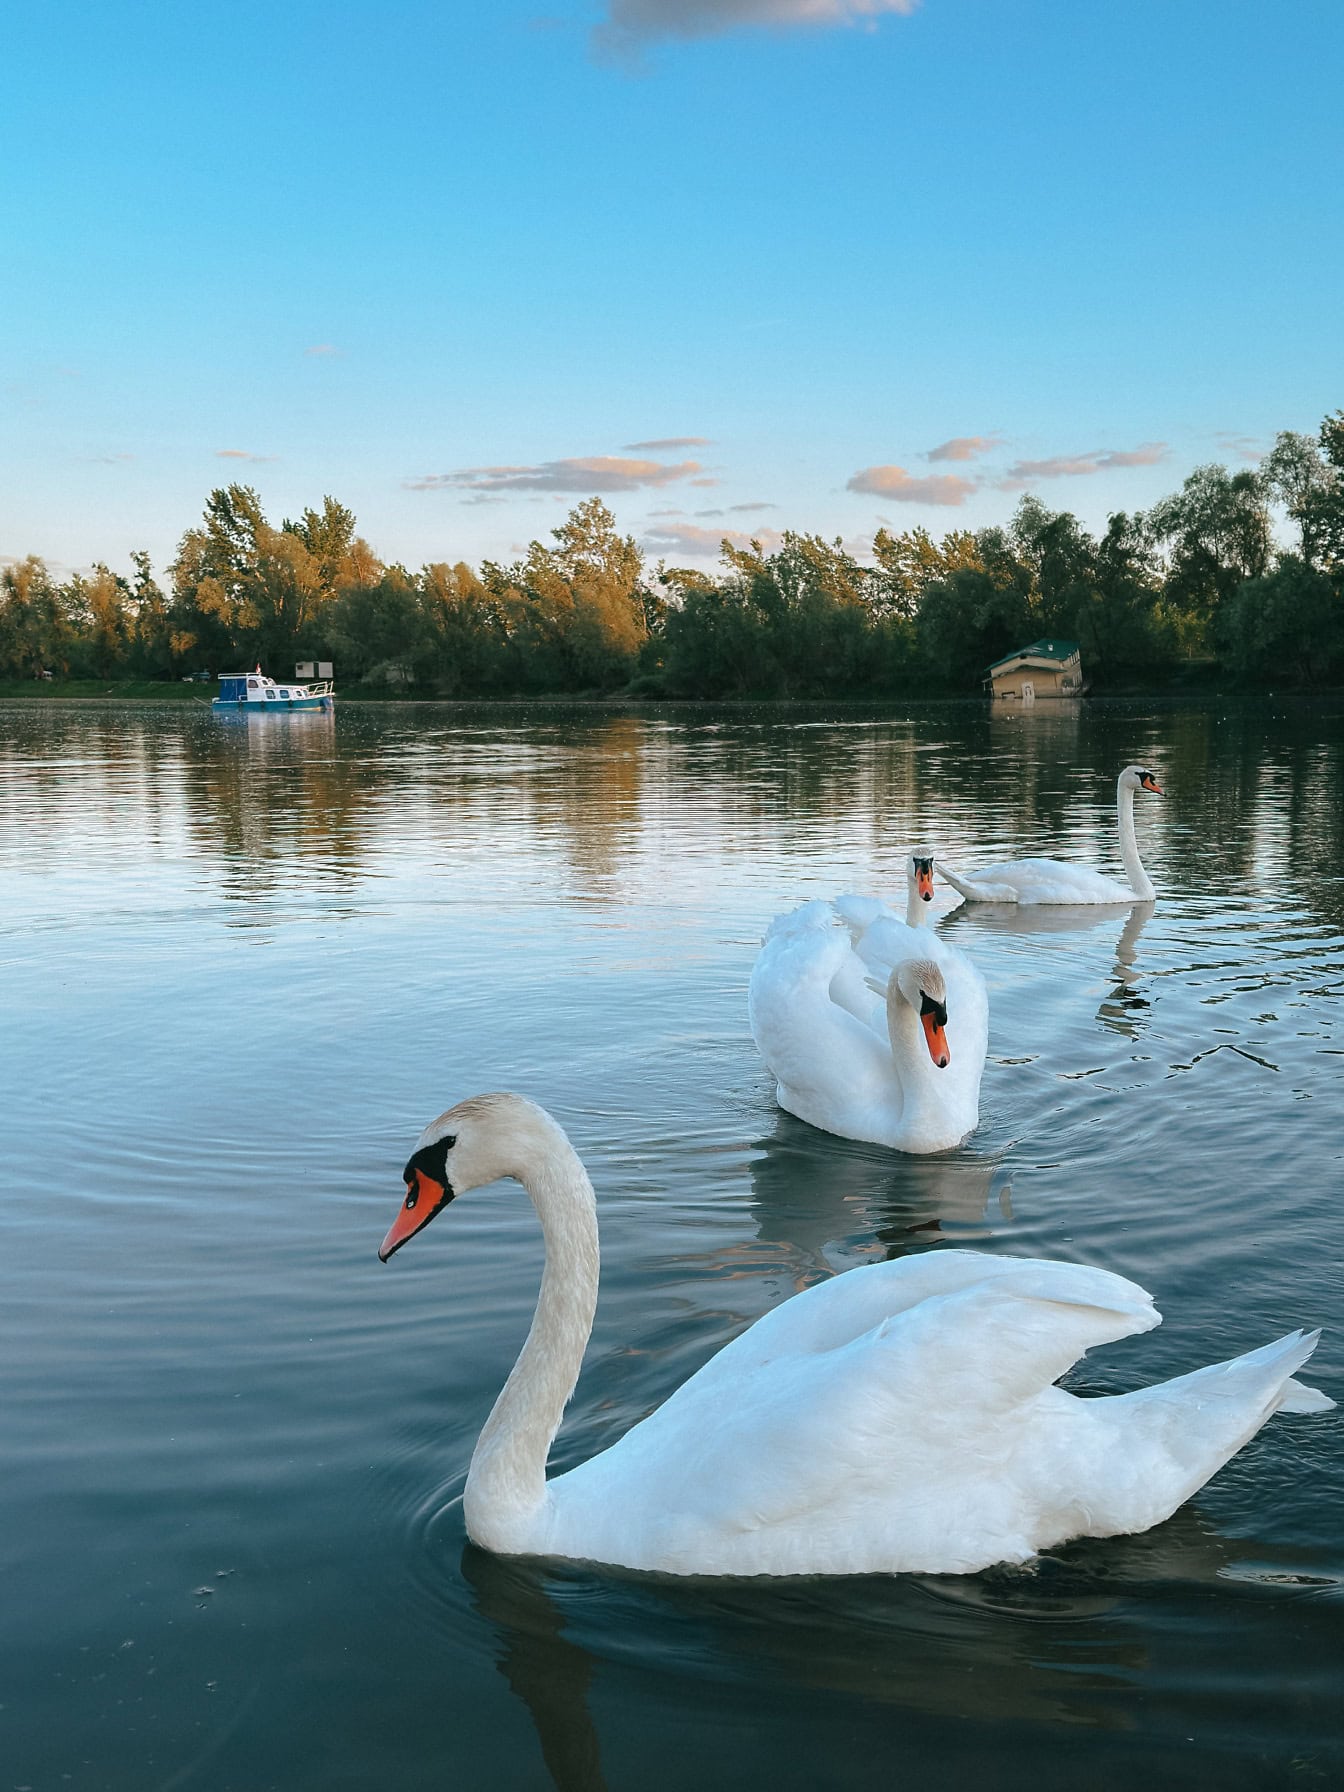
x=1198, y=579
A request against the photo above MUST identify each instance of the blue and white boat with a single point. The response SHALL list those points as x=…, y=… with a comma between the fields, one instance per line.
x=252, y=693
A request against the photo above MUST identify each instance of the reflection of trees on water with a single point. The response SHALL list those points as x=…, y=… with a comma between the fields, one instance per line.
x=275, y=799
x=590, y=792
x=1253, y=799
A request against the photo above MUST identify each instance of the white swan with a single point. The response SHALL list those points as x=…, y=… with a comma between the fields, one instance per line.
x=898, y=1417
x=874, y=1028
x=1052, y=880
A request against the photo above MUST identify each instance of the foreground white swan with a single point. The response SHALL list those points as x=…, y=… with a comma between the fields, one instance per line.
x=900, y=1416
x=874, y=1028
x=1053, y=880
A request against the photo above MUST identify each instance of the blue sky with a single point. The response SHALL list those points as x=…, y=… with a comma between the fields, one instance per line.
x=838, y=261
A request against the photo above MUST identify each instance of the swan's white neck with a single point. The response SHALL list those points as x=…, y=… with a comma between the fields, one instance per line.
x=1139, y=880
x=922, y=1096
x=916, y=909
x=506, y=1484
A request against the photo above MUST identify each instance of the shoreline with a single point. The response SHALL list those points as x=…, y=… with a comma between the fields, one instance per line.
x=1197, y=693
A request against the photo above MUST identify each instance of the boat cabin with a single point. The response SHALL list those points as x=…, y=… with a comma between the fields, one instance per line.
x=254, y=691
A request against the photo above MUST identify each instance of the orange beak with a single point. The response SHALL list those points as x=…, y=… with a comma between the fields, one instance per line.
x=424, y=1198
x=924, y=884
x=1149, y=782
x=937, y=1039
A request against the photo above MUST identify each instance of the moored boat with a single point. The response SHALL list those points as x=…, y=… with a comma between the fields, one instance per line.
x=252, y=693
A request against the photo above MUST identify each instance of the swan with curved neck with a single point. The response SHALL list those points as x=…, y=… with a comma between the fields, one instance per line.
x=901, y=1416
x=1053, y=880
x=874, y=1028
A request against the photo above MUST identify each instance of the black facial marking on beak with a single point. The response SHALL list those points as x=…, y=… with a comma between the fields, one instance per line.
x=937, y=1009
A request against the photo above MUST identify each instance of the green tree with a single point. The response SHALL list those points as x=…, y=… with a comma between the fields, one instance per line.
x=1287, y=625
x=1217, y=533
x=36, y=632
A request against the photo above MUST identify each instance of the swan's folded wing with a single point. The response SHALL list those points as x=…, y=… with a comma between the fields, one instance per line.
x=845, y=1307
x=939, y=1382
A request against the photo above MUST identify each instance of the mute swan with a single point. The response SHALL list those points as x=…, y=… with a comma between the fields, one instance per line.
x=1052, y=880
x=897, y=1417
x=873, y=1028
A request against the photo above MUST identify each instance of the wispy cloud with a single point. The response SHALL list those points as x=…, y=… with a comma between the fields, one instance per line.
x=1244, y=447
x=324, y=348
x=107, y=460
x=242, y=454
x=695, y=543
x=1077, y=466
x=905, y=488
x=964, y=448
x=762, y=505
x=596, y=473
x=631, y=24
x=666, y=444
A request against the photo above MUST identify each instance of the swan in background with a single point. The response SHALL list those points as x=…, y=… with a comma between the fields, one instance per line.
x=898, y=1417
x=873, y=1027
x=1052, y=880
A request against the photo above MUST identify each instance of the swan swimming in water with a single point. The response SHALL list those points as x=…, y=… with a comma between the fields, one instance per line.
x=1053, y=880
x=873, y=1028
x=898, y=1417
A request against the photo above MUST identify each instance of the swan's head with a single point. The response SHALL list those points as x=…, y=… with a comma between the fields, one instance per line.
x=919, y=872
x=1134, y=777
x=921, y=983
x=481, y=1140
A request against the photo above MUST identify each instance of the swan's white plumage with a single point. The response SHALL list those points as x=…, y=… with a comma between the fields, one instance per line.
x=1033, y=881
x=902, y=1416
x=846, y=1059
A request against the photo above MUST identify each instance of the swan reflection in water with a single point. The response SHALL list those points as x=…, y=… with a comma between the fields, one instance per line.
x=836, y=1202
x=1124, y=1009
x=1056, y=1641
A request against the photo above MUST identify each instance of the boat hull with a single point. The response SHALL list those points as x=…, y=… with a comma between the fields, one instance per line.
x=276, y=703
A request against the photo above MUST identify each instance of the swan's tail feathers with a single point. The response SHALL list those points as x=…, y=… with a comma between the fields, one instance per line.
x=858, y=913
x=1198, y=1421
x=964, y=886
x=1298, y=1397
x=810, y=917
x=1274, y=1364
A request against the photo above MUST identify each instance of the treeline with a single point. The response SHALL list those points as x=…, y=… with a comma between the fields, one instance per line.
x=1197, y=577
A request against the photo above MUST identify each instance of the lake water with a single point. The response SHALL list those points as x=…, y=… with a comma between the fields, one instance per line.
x=243, y=963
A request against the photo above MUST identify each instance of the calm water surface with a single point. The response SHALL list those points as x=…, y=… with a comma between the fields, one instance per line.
x=243, y=963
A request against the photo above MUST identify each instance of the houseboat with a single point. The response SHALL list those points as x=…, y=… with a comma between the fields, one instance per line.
x=1044, y=669
x=252, y=693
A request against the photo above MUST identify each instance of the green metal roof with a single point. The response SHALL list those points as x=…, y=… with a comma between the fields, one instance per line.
x=1041, y=650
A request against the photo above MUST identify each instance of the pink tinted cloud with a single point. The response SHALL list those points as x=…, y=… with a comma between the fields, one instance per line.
x=695, y=543
x=242, y=454
x=905, y=488
x=630, y=24
x=595, y=473
x=1244, y=447
x=1077, y=466
x=964, y=448
x=666, y=444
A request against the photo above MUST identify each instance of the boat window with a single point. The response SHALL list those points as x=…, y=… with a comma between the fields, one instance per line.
x=272, y=693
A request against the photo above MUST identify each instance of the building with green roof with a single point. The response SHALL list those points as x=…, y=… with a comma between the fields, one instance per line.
x=1048, y=668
